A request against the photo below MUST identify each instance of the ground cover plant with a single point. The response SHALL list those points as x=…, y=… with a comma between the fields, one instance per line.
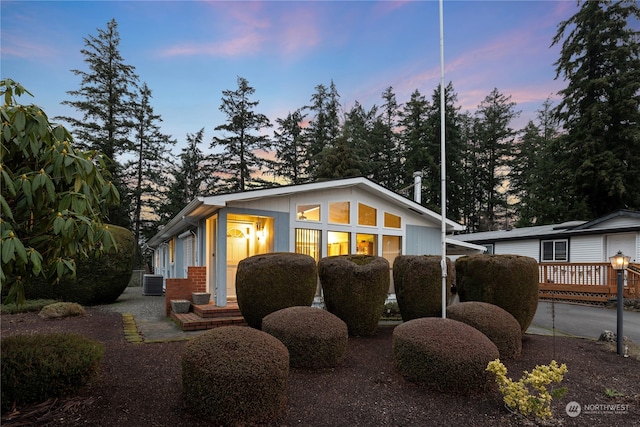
x=140, y=384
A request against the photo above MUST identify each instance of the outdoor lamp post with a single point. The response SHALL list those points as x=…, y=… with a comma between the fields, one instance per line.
x=619, y=262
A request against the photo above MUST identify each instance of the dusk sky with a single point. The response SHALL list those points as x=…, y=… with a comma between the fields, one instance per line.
x=188, y=52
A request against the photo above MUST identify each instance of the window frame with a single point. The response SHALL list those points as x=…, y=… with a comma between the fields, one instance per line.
x=554, y=257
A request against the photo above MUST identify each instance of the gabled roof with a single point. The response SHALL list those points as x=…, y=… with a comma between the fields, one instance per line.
x=202, y=207
x=565, y=229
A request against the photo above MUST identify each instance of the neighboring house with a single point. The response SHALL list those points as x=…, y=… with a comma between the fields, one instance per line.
x=574, y=242
x=345, y=216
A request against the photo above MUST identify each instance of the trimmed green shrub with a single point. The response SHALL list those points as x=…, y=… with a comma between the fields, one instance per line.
x=314, y=337
x=235, y=375
x=40, y=366
x=417, y=280
x=59, y=310
x=270, y=282
x=497, y=324
x=98, y=280
x=508, y=281
x=443, y=355
x=355, y=288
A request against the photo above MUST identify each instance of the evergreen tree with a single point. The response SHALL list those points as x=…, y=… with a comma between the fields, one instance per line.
x=470, y=185
x=385, y=142
x=188, y=178
x=600, y=108
x=145, y=174
x=338, y=161
x=240, y=162
x=106, y=100
x=415, y=137
x=494, y=139
x=291, y=148
x=324, y=126
x=357, y=132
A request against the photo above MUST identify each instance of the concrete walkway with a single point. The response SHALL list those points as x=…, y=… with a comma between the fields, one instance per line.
x=567, y=319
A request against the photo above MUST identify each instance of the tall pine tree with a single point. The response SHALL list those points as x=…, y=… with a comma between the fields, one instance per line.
x=600, y=107
x=291, y=147
x=240, y=162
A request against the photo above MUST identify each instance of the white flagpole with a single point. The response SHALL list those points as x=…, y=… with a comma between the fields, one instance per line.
x=443, y=171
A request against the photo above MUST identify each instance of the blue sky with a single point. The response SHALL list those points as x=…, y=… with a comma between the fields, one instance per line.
x=188, y=52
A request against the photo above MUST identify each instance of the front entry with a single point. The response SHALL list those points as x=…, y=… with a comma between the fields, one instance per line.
x=239, y=246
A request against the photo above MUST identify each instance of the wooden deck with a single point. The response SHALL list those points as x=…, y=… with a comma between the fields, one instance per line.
x=593, y=283
x=209, y=316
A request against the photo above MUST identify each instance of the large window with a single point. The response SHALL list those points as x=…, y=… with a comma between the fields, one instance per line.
x=391, y=248
x=339, y=212
x=555, y=250
x=308, y=212
x=338, y=243
x=308, y=242
x=367, y=215
x=366, y=244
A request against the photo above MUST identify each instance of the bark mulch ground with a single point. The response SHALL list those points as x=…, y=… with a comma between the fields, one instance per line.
x=140, y=385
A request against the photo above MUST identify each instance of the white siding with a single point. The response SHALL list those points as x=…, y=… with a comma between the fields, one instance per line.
x=617, y=222
x=586, y=249
x=530, y=248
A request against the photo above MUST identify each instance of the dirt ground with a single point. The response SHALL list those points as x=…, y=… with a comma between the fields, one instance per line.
x=140, y=385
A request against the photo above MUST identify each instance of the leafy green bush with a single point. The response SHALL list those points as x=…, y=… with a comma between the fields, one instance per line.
x=28, y=306
x=269, y=282
x=99, y=280
x=355, y=288
x=61, y=309
x=391, y=311
x=314, y=337
x=41, y=366
x=417, y=280
x=235, y=375
x=508, y=281
x=443, y=354
x=497, y=324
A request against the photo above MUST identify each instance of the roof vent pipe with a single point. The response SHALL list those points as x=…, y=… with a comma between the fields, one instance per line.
x=417, y=187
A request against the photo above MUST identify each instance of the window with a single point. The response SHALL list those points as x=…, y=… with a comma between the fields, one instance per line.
x=172, y=250
x=554, y=250
x=308, y=242
x=339, y=212
x=367, y=215
x=366, y=244
x=338, y=243
x=392, y=221
x=308, y=212
x=490, y=249
x=391, y=248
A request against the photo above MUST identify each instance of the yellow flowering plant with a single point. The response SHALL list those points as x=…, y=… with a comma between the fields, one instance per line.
x=529, y=396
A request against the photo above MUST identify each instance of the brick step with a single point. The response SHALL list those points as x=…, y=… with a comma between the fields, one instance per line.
x=193, y=322
x=211, y=310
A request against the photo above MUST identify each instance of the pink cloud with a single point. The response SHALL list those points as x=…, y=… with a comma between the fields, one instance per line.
x=22, y=47
x=244, y=44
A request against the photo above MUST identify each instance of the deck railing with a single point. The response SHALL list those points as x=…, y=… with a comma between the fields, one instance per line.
x=588, y=282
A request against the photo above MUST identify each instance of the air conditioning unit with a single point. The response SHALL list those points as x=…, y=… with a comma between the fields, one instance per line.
x=152, y=284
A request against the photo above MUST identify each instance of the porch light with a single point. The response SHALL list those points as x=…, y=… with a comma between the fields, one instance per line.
x=620, y=262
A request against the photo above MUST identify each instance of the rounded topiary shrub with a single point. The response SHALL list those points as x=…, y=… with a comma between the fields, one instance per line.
x=355, y=288
x=443, y=354
x=99, y=280
x=417, y=280
x=508, y=281
x=235, y=375
x=41, y=366
x=270, y=282
x=496, y=323
x=314, y=337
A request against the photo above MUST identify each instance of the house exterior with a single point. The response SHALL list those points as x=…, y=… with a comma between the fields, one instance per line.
x=571, y=242
x=345, y=216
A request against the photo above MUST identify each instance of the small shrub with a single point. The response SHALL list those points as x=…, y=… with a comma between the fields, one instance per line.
x=391, y=311
x=99, y=280
x=235, y=375
x=314, y=337
x=38, y=367
x=28, y=306
x=443, y=354
x=508, y=281
x=59, y=310
x=418, y=283
x=270, y=282
x=497, y=324
x=355, y=289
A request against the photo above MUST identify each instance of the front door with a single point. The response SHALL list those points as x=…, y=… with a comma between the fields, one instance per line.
x=239, y=247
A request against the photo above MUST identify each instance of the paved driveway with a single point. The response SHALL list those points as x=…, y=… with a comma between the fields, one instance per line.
x=583, y=321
